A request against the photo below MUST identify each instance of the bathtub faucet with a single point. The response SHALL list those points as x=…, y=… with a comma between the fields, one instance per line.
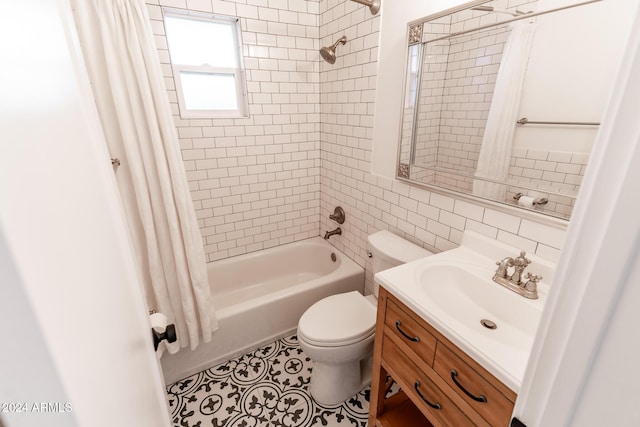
x=328, y=234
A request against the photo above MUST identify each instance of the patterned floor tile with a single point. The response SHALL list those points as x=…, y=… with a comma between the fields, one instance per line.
x=266, y=387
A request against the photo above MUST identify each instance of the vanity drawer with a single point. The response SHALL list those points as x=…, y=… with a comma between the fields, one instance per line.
x=477, y=382
x=409, y=331
x=421, y=389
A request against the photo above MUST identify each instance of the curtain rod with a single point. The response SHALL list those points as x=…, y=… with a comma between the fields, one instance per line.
x=508, y=21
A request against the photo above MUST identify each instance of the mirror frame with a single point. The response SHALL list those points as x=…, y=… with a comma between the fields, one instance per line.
x=414, y=34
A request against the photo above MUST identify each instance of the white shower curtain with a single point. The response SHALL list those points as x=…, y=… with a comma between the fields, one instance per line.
x=497, y=142
x=126, y=77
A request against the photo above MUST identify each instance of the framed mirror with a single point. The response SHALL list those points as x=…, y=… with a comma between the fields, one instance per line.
x=504, y=103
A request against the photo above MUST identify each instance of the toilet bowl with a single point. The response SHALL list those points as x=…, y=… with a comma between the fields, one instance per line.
x=337, y=332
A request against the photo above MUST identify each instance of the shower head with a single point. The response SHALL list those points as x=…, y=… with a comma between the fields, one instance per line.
x=492, y=9
x=329, y=53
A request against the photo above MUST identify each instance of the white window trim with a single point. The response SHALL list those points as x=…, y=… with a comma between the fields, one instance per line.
x=239, y=73
x=412, y=78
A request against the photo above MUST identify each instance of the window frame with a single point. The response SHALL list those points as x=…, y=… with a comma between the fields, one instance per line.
x=413, y=75
x=238, y=73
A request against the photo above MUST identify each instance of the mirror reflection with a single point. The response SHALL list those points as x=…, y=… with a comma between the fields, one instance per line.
x=504, y=103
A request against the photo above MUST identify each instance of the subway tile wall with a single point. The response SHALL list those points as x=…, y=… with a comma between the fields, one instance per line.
x=255, y=181
x=541, y=173
x=276, y=176
x=372, y=203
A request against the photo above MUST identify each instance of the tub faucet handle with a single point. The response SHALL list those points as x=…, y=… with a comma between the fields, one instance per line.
x=338, y=215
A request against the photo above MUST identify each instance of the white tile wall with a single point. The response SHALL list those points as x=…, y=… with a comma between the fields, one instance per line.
x=255, y=181
x=371, y=203
x=276, y=176
x=539, y=172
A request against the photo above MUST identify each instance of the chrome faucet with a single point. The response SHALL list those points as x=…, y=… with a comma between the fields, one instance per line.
x=528, y=289
x=503, y=266
x=328, y=234
x=519, y=264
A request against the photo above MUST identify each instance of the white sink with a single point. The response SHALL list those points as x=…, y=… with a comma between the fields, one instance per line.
x=462, y=295
x=454, y=292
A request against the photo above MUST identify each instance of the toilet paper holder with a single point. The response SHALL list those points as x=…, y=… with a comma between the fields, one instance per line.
x=537, y=201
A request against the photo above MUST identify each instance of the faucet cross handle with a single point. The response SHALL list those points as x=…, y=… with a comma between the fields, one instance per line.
x=532, y=282
x=522, y=260
x=533, y=277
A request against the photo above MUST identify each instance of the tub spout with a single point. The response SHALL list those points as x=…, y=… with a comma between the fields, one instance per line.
x=328, y=234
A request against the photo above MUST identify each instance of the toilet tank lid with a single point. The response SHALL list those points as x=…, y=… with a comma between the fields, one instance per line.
x=387, y=243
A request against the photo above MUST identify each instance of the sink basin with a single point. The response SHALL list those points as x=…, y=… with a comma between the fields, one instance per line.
x=464, y=295
x=455, y=293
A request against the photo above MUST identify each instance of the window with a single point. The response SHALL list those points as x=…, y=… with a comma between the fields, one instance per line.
x=206, y=58
x=413, y=68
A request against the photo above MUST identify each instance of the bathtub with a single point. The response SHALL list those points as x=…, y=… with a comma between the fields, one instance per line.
x=260, y=296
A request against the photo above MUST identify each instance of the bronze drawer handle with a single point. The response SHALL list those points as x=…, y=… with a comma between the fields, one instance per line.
x=410, y=338
x=433, y=405
x=480, y=398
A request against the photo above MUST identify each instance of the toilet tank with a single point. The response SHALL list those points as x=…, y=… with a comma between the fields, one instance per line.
x=389, y=250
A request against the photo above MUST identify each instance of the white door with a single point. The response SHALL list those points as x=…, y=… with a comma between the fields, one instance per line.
x=584, y=369
x=75, y=347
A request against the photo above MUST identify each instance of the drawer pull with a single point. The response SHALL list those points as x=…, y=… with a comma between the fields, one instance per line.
x=410, y=338
x=433, y=405
x=480, y=398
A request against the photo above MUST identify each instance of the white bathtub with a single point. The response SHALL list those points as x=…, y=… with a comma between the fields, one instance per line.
x=260, y=296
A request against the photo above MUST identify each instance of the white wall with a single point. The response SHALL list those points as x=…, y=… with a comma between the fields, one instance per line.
x=613, y=382
x=571, y=71
x=62, y=223
x=27, y=339
x=583, y=367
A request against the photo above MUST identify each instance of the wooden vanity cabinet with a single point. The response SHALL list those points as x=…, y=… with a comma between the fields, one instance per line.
x=440, y=384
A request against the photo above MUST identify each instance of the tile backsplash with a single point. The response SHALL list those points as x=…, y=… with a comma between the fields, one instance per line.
x=541, y=171
x=276, y=176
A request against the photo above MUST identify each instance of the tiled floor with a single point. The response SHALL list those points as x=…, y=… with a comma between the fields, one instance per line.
x=267, y=387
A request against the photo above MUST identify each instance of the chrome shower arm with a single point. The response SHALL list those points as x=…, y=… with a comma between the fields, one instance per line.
x=374, y=5
x=341, y=41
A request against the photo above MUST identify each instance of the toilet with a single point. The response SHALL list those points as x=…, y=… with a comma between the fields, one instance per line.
x=337, y=332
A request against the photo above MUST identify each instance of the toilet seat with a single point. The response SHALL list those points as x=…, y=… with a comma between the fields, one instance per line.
x=338, y=320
